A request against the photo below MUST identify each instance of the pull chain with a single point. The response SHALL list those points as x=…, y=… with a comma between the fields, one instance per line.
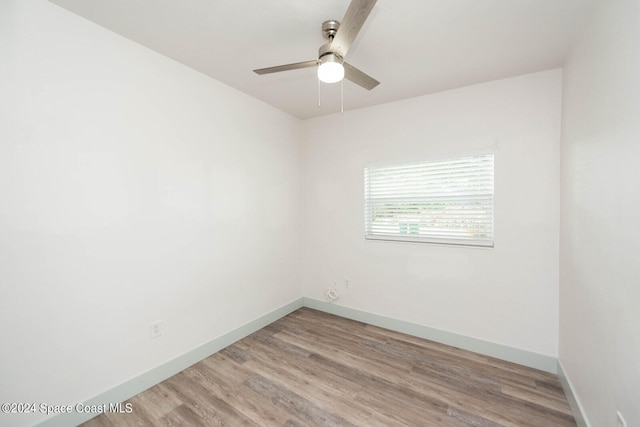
x=318, y=92
x=342, y=96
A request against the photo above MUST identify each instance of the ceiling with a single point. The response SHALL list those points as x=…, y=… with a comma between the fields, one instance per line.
x=413, y=47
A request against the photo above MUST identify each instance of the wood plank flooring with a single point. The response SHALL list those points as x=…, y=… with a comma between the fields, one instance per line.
x=315, y=369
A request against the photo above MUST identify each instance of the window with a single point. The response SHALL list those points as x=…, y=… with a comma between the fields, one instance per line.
x=442, y=201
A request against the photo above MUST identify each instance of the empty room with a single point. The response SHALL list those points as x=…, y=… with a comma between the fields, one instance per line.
x=337, y=212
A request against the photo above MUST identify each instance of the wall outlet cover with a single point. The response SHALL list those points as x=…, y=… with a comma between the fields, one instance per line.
x=156, y=329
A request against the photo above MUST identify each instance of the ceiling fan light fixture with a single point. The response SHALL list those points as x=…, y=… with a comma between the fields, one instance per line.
x=330, y=69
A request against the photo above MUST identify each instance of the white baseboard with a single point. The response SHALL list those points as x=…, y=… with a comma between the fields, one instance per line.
x=150, y=378
x=511, y=354
x=572, y=397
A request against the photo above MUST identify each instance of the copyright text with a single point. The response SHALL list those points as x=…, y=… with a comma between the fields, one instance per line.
x=44, y=408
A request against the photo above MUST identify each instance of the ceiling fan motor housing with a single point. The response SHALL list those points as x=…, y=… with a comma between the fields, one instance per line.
x=329, y=30
x=325, y=50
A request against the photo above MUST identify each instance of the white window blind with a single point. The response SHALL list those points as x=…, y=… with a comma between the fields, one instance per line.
x=442, y=201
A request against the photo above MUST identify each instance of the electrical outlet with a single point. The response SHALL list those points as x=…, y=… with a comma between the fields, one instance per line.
x=156, y=329
x=621, y=421
x=347, y=283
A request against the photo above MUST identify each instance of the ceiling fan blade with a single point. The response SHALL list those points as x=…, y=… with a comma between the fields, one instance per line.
x=358, y=77
x=287, y=67
x=351, y=24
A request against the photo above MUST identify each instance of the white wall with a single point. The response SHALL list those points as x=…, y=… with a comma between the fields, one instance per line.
x=507, y=295
x=600, y=239
x=132, y=189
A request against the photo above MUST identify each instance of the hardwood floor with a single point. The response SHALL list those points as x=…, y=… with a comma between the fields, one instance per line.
x=313, y=368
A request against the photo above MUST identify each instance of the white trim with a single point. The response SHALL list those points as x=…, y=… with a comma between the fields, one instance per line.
x=576, y=407
x=434, y=158
x=431, y=241
x=160, y=373
x=442, y=245
x=500, y=351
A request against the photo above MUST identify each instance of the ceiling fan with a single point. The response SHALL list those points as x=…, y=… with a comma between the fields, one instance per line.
x=330, y=62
